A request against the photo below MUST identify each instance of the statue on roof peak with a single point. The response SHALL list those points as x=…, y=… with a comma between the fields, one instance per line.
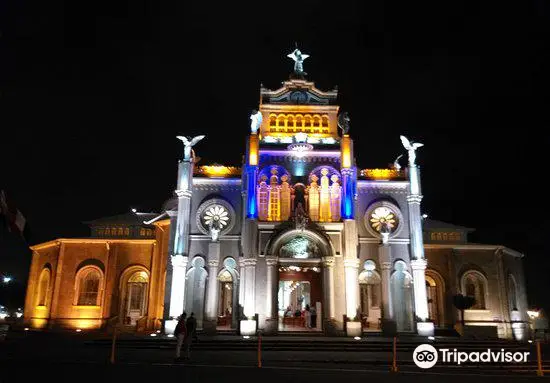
x=298, y=58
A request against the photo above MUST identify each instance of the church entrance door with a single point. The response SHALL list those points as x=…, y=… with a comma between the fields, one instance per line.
x=299, y=298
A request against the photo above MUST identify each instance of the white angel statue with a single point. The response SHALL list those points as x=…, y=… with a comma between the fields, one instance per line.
x=188, y=143
x=255, y=121
x=411, y=147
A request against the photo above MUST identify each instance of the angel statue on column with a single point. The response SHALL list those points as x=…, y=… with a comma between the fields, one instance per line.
x=188, y=143
x=411, y=148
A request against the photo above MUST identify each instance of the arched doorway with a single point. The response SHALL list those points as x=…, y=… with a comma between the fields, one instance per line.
x=228, y=279
x=136, y=300
x=370, y=296
x=298, y=290
x=134, y=288
x=435, y=288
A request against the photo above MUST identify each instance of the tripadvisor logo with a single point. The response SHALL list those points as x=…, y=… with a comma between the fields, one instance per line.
x=426, y=356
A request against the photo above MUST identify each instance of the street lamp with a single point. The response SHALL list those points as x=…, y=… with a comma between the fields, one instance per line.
x=7, y=279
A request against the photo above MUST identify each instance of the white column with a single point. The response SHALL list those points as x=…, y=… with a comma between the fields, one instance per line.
x=351, y=267
x=387, y=307
x=328, y=276
x=241, y=285
x=419, y=279
x=272, y=288
x=212, y=291
x=177, y=297
x=250, y=287
x=213, y=285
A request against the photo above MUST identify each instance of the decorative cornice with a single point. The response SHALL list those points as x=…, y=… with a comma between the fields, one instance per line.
x=414, y=198
x=474, y=246
x=378, y=187
x=204, y=237
x=271, y=261
x=382, y=174
x=392, y=241
x=418, y=264
x=354, y=263
x=179, y=260
x=60, y=241
x=329, y=261
x=246, y=262
x=216, y=181
x=183, y=193
x=386, y=265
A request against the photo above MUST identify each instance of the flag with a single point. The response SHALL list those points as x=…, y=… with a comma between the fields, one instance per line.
x=15, y=220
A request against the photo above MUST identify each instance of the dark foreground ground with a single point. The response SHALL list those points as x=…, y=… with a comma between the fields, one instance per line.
x=75, y=357
x=21, y=372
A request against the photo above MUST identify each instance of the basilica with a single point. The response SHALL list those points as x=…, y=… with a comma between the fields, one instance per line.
x=300, y=238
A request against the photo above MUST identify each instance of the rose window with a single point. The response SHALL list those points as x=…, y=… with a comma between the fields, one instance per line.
x=383, y=217
x=216, y=216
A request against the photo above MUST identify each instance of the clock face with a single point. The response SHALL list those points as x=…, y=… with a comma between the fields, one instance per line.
x=383, y=217
x=298, y=97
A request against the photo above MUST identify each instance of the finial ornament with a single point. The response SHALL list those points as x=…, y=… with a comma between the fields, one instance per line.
x=255, y=121
x=188, y=143
x=344, y=122
x=396, y=164
x=298, y=58
x=411, y=147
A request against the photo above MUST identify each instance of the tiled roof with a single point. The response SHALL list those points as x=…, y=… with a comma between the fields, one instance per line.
x=432, y=224
x=123, y=219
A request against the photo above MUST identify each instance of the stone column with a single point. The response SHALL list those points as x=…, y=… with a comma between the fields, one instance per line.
x=272, y=317
x=241, y=283
x=418, y=267
x=250, y=287
x=351, y=268
x=328, y=279
x=212, y=287
x=180, y=242
x=272, y=288
x=179, y=268
x=418, y=262
x=387, y=307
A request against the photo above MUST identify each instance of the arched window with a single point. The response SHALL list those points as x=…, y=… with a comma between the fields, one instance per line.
x=126, y=231
x=316, y=121
x=512, y=293
x=142, y=232
x=43, y=287
x=474, y=285
x=88, y=286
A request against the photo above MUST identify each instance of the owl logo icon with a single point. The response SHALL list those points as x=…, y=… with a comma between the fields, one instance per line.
x=425, y=356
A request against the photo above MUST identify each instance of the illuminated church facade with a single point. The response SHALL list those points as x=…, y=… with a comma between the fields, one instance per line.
x=300, y=238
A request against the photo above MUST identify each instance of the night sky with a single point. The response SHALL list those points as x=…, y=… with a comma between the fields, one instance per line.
x=94, y=93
